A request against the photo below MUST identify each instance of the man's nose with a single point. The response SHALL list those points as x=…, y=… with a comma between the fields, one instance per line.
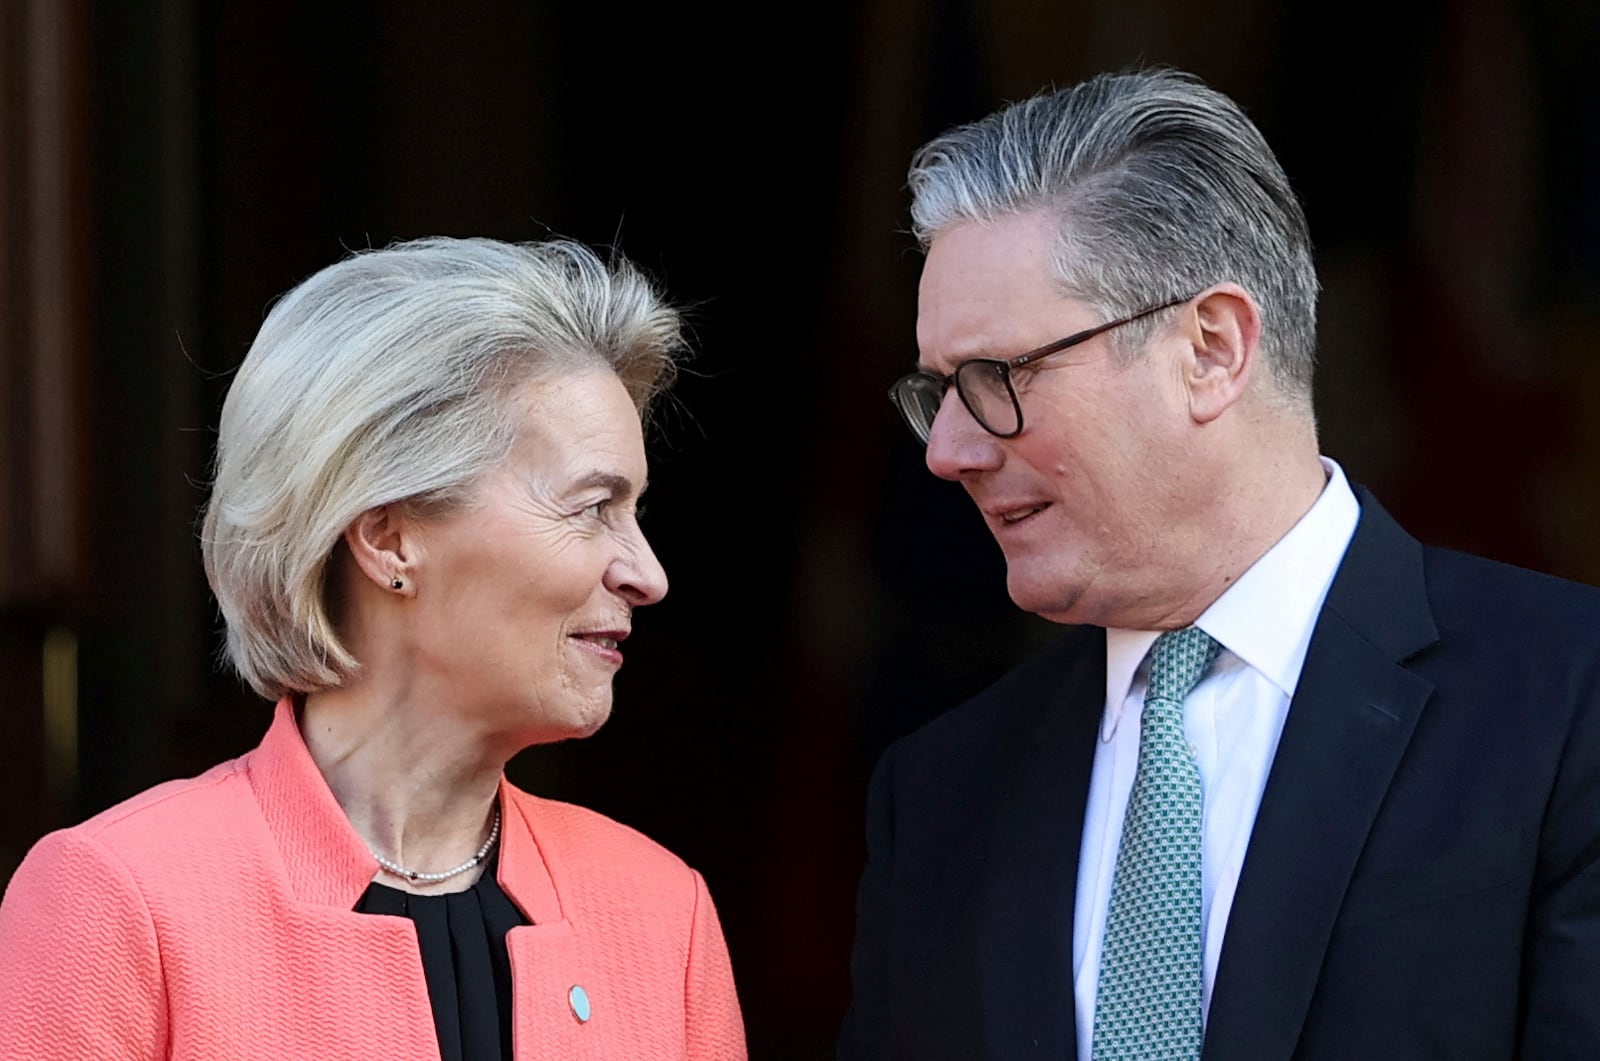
x=957, y=444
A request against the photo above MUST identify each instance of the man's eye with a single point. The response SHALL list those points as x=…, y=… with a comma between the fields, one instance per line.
x=598, y=509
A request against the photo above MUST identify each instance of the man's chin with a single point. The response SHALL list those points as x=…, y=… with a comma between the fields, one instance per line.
x=1048, y=599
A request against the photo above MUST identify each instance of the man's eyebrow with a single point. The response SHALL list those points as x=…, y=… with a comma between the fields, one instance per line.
x=975, y=353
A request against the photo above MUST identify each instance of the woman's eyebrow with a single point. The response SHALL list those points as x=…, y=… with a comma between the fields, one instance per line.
x=619, y=485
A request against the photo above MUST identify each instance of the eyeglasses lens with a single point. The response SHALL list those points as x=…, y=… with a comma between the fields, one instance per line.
x=918, y=397
x=983, y=387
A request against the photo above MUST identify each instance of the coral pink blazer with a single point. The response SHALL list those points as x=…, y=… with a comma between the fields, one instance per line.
x=212, y=919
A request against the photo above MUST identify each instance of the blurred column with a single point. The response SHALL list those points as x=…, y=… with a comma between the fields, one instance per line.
x=45, y=334
x=144, y=638
x=1489, y=421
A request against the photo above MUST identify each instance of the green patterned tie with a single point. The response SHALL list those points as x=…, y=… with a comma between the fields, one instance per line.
x=1147, y=1005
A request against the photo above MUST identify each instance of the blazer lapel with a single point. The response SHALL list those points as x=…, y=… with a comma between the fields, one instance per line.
x=546, y=956
x=552, y=985
x=1025, y=923
x=1352, y=716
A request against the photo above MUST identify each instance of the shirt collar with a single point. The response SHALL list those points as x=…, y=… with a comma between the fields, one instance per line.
x=1267, y=616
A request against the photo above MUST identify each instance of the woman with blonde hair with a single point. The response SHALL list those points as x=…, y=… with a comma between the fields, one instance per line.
x=423, y=538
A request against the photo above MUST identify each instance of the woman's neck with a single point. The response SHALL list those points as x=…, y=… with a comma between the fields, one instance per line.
x=414, y=782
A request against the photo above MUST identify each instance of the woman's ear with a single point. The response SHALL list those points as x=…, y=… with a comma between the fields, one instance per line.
x=1224, y=329
x=381, y=543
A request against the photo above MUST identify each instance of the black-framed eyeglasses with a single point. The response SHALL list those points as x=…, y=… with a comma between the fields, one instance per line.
x=985, y=386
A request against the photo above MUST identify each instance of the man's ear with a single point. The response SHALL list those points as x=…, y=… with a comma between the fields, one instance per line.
x=382, y=545
x=1223, y=327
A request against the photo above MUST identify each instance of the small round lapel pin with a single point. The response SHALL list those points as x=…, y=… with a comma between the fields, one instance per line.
x=578, y=999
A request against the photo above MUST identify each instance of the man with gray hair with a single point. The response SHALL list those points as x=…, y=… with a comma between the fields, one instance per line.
x=1289, y=785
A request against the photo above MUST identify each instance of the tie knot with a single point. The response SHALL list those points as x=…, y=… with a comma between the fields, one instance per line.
x=1178, y=662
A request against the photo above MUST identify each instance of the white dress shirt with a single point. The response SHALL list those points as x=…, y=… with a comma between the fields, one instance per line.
x=1233, y=720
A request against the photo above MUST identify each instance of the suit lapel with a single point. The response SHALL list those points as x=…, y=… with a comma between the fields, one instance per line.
x=1352, y=716
x=1025, y=922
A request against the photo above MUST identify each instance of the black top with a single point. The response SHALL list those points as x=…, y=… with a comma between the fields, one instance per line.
x=462, y=937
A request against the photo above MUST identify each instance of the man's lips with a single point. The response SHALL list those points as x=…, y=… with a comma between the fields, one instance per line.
x=1012, y=513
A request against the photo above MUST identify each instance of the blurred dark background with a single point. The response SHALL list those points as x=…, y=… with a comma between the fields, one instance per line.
x=171, y=166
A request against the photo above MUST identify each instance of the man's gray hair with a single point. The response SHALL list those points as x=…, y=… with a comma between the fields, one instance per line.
x=384, y=379
x=1162, y=186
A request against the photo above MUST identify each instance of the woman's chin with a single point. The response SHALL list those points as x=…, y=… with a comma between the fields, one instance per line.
x=573, y=722
x=591, y=724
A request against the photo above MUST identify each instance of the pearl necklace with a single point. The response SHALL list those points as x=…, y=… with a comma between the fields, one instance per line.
x=433, y=878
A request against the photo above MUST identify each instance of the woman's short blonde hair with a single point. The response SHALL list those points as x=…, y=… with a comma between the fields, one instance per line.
x=382, y=379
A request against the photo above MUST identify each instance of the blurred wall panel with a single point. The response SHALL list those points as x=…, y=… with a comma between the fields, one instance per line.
x=45, y=336
x=13, y=424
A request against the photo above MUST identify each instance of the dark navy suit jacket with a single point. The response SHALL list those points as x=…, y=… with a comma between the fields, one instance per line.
x=1423, y=878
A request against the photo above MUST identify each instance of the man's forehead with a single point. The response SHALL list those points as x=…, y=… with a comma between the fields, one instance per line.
x=989, y=289
x=1005, y=261
x=1033, y=234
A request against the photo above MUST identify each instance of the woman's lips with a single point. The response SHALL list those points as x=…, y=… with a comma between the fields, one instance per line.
x=603, y=643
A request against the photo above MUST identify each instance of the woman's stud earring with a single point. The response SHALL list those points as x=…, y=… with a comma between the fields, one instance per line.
x=397, y=583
